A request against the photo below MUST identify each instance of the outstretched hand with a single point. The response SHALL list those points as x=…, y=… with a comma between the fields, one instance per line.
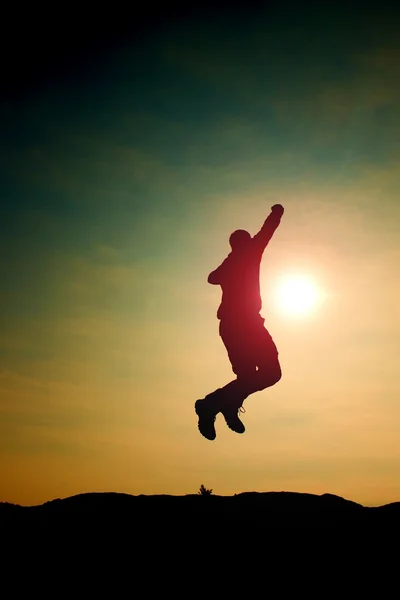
x=278, y=208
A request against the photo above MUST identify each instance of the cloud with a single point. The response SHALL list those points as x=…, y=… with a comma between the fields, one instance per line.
x=90, y=167
x=298, y=100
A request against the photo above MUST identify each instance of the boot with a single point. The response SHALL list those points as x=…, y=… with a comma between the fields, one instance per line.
x=207, y=410
x=231, y=407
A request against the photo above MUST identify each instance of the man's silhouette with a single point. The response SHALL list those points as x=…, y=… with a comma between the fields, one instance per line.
x=251, y=349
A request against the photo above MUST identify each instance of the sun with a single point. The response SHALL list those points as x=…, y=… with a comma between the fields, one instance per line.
x=297, y=295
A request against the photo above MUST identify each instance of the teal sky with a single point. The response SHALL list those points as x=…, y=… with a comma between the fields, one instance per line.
x=121, y=182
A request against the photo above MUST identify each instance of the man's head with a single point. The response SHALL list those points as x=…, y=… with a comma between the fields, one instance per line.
x=240, y=239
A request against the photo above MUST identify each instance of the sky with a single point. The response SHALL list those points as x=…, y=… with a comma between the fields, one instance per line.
x=129, y=155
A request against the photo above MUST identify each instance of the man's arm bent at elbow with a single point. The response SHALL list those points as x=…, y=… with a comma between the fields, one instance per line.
x=214, y=277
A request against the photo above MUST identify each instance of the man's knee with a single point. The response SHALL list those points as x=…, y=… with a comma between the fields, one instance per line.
x=269, y=377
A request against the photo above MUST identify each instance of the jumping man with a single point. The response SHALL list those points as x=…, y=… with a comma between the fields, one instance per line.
x=251, y=349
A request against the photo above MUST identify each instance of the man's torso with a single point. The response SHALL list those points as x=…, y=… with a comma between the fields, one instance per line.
x=240, y=284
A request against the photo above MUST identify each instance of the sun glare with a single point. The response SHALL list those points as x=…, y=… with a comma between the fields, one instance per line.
x=297, y=295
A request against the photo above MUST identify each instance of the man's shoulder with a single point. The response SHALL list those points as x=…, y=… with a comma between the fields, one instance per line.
x=257, y=243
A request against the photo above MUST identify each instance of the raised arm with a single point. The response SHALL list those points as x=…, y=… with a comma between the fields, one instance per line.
x=271, y=223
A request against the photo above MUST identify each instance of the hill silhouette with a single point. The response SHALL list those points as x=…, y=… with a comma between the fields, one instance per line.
x=260, y=511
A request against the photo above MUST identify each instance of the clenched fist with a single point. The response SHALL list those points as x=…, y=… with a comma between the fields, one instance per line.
x=278, y=208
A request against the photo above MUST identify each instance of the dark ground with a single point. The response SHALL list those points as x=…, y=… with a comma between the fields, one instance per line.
x=259, y=511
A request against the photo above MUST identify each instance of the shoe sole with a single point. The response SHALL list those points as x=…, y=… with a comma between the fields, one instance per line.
x=235, y=430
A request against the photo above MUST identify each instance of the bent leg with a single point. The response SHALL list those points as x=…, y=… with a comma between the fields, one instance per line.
x=253, y=356
x=254, y=359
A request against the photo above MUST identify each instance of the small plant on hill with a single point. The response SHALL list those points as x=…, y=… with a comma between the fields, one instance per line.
x=203, y=491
